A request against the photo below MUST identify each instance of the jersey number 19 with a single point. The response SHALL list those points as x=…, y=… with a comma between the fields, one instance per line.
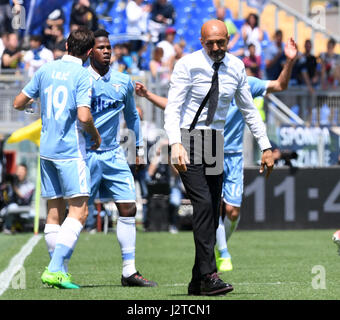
x=56, y=100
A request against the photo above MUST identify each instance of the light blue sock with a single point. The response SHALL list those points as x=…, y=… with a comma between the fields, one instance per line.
x=126, y=235
x=230, y=226
x=221, y=241
x=65, y=263
x=61, y=252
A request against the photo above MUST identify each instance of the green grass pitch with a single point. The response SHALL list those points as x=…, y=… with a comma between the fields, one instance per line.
x=268, y=265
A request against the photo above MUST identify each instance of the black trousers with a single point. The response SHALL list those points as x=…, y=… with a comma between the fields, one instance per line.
x=204, y=190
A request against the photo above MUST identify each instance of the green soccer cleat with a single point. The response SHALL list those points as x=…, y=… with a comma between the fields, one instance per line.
x=224, y=264
x=58, y=280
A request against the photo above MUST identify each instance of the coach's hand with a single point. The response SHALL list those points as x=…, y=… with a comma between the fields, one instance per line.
x=267, y=161
x=179, y=157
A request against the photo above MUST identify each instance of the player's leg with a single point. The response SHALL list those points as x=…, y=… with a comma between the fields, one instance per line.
x=232, y=198
x=55, y=215
x=233, y=192
x=51, y=189
x=221, y=242
x=231, y=219
x=126, y=235
x=75, y=182
x=119, y=184
x=222, y=252
x=96, y=177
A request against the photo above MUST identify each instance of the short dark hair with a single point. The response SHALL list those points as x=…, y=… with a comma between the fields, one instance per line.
x=278, y=33
x=332, y=41
x=36, y=37
x=256, y=17
x=22, y=164
x=101, y=33
x=80, y=41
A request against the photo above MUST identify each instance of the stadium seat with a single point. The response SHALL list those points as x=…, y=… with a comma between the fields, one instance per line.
x=239, y=23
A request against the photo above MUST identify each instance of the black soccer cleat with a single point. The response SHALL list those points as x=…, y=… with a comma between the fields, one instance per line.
x=137, y=280
x=212, y=285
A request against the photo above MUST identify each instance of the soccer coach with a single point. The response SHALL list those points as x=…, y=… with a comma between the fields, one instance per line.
x=202, y=86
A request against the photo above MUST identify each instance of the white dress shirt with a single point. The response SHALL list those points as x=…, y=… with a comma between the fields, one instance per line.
x=189, y=84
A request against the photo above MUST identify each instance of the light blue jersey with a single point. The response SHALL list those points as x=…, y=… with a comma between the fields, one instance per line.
x=233, y=145
x=110, y=172
x=62, y=86
x=234, y=126
x=112, y=93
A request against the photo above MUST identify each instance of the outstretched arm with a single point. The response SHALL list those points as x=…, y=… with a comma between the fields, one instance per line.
x=142, y=91
x=281, y=83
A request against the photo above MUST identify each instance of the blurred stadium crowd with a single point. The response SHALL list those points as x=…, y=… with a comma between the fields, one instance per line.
x=156, y=34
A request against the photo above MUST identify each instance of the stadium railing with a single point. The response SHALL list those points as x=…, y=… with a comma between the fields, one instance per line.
x=10, y=119
x=320, y=108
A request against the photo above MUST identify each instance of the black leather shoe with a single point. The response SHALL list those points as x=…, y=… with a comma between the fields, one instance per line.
x=212, y=285
x=194, y=288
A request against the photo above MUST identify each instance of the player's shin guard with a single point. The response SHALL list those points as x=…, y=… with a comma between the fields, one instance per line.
x=126, y=235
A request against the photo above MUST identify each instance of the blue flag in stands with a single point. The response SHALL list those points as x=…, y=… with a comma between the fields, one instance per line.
x=40, y=11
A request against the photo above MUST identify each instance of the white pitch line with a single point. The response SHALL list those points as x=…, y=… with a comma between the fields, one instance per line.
x=16, y=263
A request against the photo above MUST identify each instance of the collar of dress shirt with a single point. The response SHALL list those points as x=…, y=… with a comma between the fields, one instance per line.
x=70, y=58
x=211, y=62
x=97, y=76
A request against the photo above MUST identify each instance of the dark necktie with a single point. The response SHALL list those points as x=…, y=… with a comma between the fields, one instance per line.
x=213, y=99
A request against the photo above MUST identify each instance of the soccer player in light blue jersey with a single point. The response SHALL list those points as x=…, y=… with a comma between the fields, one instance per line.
x=64, y=89
x=110, y=173
x=233, y=158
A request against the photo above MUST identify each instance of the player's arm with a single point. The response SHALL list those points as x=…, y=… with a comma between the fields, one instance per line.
x=21, y=101
x=29, y=92
x=132, y=120
x=142, y=91
x=83, y=101
x=85, y=118
x=281, y=83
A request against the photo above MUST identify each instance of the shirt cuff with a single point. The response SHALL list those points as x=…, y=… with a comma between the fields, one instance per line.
x=26, y=94
x=83, y=105
x=174, y=137
x=264, y=143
